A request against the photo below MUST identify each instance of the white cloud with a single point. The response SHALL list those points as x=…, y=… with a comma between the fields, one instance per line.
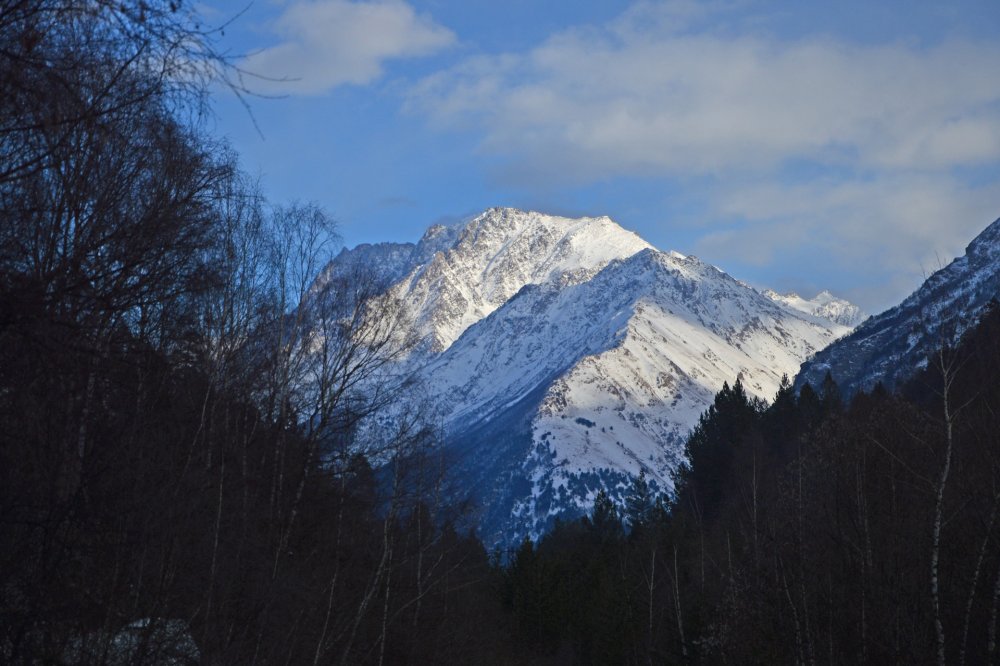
x=327, y=43
x=633, y=101
x=884, y=234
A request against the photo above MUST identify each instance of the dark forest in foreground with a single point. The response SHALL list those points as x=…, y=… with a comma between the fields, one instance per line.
x=812, y=530
x=186, y=474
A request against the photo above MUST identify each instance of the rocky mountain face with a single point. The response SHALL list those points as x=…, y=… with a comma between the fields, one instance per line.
x=889, y=347
x=562, y=356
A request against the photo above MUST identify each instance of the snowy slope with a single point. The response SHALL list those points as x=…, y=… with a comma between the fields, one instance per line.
x=889, y=347
x=824, y=305
x=621, y=365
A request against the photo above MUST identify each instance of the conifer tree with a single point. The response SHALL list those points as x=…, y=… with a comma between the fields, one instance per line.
x=604, y=519
x=830, y=396
x=639, y=502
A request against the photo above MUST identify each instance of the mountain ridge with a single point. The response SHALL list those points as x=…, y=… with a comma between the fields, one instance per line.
x=889, y=346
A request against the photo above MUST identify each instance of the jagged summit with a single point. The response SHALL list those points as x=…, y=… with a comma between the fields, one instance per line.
x=824, y=305
x=890, y=346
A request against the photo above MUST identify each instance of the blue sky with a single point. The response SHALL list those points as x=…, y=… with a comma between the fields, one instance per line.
x=852, y=146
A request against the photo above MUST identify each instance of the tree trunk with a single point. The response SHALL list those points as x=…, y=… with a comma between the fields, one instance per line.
x=975, y=581
x=948, y=377
x=677, y=608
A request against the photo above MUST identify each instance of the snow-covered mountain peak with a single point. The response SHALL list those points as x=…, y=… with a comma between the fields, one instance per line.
x=476, y=268
x=823, y=305
x=563, y=355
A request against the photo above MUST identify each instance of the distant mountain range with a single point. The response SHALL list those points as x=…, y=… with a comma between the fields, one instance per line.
x=890, y=347
x=824, y=305
x=565, y=355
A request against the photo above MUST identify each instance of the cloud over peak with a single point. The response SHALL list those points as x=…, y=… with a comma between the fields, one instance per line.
x=633, y=101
